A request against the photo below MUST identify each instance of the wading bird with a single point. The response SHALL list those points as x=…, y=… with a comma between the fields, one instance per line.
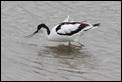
x=66, y=31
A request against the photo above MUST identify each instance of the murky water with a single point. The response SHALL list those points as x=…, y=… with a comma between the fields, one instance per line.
x=38, y=59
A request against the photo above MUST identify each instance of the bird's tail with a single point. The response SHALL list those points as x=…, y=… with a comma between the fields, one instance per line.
x=98, y=24
x=93, y=26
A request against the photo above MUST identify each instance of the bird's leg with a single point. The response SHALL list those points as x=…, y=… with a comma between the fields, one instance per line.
x=80, y=43
x=69, y=43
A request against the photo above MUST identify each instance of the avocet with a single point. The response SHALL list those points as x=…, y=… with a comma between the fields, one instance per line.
x=66, y=31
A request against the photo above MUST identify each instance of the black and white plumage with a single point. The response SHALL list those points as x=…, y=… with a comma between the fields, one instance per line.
x=66, y=30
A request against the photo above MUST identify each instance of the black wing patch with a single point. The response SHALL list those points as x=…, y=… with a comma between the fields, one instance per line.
x=82, y=25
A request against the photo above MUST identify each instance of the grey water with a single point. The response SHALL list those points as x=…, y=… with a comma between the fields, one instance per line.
x=37, y=59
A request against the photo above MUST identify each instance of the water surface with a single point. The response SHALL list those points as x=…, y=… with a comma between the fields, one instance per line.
x=37, y=59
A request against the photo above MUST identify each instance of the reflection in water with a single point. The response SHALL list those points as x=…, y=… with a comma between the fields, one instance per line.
x=65, y=51
x=72, y=56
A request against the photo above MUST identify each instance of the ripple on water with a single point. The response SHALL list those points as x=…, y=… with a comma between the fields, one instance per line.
x=66, y=60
